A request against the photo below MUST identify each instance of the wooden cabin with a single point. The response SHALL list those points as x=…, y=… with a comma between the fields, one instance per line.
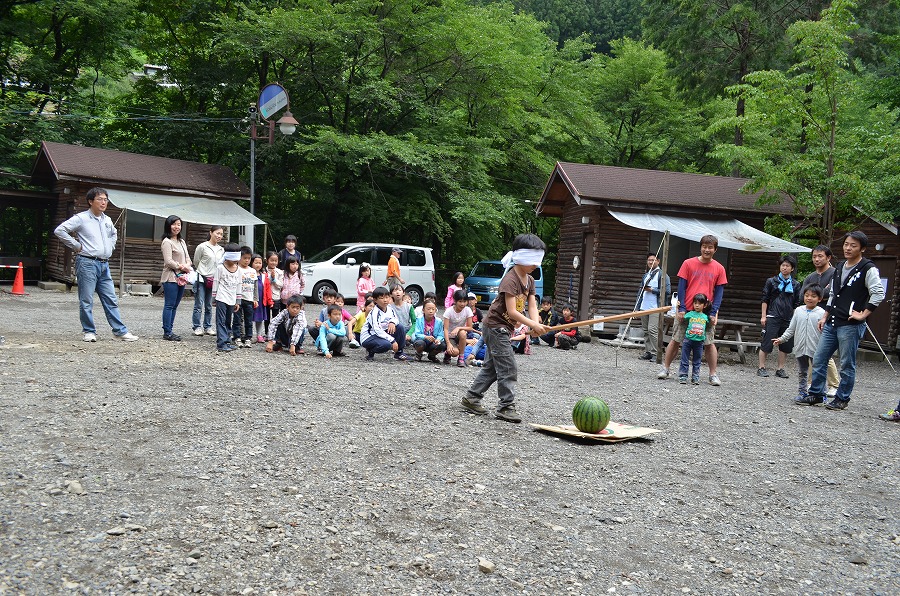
x=612, y=256
x=69, y=171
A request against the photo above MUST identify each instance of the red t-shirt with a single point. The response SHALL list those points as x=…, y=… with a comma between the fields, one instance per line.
x=702, y=278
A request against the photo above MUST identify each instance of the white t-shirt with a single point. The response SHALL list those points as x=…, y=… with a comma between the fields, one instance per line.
x=457, y=319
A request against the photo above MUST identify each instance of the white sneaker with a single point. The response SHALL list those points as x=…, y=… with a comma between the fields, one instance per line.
x=832, y=391
x=210, y=331
x=714, y=380
x=90, y=337
x=198, y=331
x=663, y=373
x=127, y=336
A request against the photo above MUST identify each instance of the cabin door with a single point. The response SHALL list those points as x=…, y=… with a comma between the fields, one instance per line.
x=880, y=320
x=585, y=274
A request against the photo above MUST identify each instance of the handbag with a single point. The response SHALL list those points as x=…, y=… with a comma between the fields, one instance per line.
x=181, y=280
x=208, y=281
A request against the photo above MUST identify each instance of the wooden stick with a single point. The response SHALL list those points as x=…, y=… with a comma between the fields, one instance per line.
x=627, y=315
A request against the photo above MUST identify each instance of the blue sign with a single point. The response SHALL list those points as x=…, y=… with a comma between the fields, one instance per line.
x=272, y=98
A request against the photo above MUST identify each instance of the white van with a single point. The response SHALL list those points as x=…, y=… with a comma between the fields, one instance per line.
x=337, y=268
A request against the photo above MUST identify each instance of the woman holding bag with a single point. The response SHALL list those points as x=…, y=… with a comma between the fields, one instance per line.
x=176, y=266
x=207, y=257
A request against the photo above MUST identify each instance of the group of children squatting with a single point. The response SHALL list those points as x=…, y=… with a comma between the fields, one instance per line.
x=257, y=301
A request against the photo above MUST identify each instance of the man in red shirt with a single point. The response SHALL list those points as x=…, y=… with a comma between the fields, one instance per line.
x=698, y=275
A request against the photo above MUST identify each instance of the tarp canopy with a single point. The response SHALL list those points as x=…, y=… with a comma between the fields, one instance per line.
x=731, y=233
x=190, y=209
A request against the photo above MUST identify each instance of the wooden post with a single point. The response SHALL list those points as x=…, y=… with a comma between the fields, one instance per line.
x=122, y=254
x=664, y=299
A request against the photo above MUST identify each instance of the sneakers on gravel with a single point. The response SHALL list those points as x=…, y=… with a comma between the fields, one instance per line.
x=198, y=331
x=892, y=416
x=89, y=337
x=473, y=406
x=808, y=400
x=762, y=372
x=663, y=373
x=714, y=380
x=837, y=404
x=682, y=379
x=781, y=374
x=508, y=414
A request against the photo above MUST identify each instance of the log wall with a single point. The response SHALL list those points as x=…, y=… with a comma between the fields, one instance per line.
x=143, y=257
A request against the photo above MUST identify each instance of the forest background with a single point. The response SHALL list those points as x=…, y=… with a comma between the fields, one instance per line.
x=438, y=122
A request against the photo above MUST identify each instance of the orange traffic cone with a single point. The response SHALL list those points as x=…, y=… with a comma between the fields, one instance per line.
x=18, y=288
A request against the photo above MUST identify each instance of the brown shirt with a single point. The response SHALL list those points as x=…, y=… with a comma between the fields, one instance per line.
x=511, y=285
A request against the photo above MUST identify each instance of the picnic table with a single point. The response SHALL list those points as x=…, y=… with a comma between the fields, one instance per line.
x=728, y=333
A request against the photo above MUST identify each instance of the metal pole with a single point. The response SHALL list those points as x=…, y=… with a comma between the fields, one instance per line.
x=252, y=184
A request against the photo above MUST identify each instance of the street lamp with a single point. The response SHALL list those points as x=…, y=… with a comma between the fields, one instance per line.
x=272, y=98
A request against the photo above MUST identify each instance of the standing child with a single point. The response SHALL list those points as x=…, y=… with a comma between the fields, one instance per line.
x=364, y=285
x=505, y=312
x=276, y=281
x=457, y=323
x=382, y=330
x=262, y=310
x=695, y=322
x=288, y=328
x=804, y=330
x=332, y=334
x=429, y=334
x=243, y=317
x=293, y=282
x=226, y=293
x=290, y=243
x=459, y=283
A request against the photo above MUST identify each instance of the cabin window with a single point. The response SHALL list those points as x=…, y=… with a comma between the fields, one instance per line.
x=143, y=226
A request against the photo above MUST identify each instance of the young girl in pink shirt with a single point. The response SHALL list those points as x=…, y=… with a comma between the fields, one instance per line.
x=364, y=285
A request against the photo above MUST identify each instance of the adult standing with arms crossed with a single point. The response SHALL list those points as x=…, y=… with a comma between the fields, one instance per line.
x=856, y=291
x=698, y=275
x=176, y=263
x=207, y=257
x=648, y=297
x=94, y=246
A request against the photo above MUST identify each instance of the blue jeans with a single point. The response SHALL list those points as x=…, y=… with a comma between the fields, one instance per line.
x=202, y=305
x=691, y=353
x=93, y=276
x=172, y=294
x=224, y=313
x=242, y=325
x=846, y=337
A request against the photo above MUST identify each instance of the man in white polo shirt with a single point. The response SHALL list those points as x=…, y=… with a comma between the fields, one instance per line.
x=93, y=247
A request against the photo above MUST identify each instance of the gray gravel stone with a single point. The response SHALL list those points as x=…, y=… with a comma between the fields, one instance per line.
x=266, y=474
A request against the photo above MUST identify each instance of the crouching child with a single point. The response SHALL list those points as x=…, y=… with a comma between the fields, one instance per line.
x=288, y=328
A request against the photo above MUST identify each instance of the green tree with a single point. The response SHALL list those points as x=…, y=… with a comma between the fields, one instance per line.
x=714, y=44
x=813, y=134
x=646, y=121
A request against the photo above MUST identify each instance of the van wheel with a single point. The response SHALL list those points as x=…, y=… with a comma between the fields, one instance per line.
x=318, y=292
x=417, y=295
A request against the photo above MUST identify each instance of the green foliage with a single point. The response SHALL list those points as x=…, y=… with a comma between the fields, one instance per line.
x=812, y=134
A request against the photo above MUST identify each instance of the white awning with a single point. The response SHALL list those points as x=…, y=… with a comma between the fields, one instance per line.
x=191, y=209
x=731, y=233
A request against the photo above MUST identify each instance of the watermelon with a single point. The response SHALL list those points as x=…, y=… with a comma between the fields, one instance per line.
x=590, y=415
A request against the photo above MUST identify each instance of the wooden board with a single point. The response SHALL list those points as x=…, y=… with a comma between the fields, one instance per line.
x=613, y=433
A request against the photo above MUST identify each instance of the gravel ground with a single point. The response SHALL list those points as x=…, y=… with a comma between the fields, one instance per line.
x=164, y=468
